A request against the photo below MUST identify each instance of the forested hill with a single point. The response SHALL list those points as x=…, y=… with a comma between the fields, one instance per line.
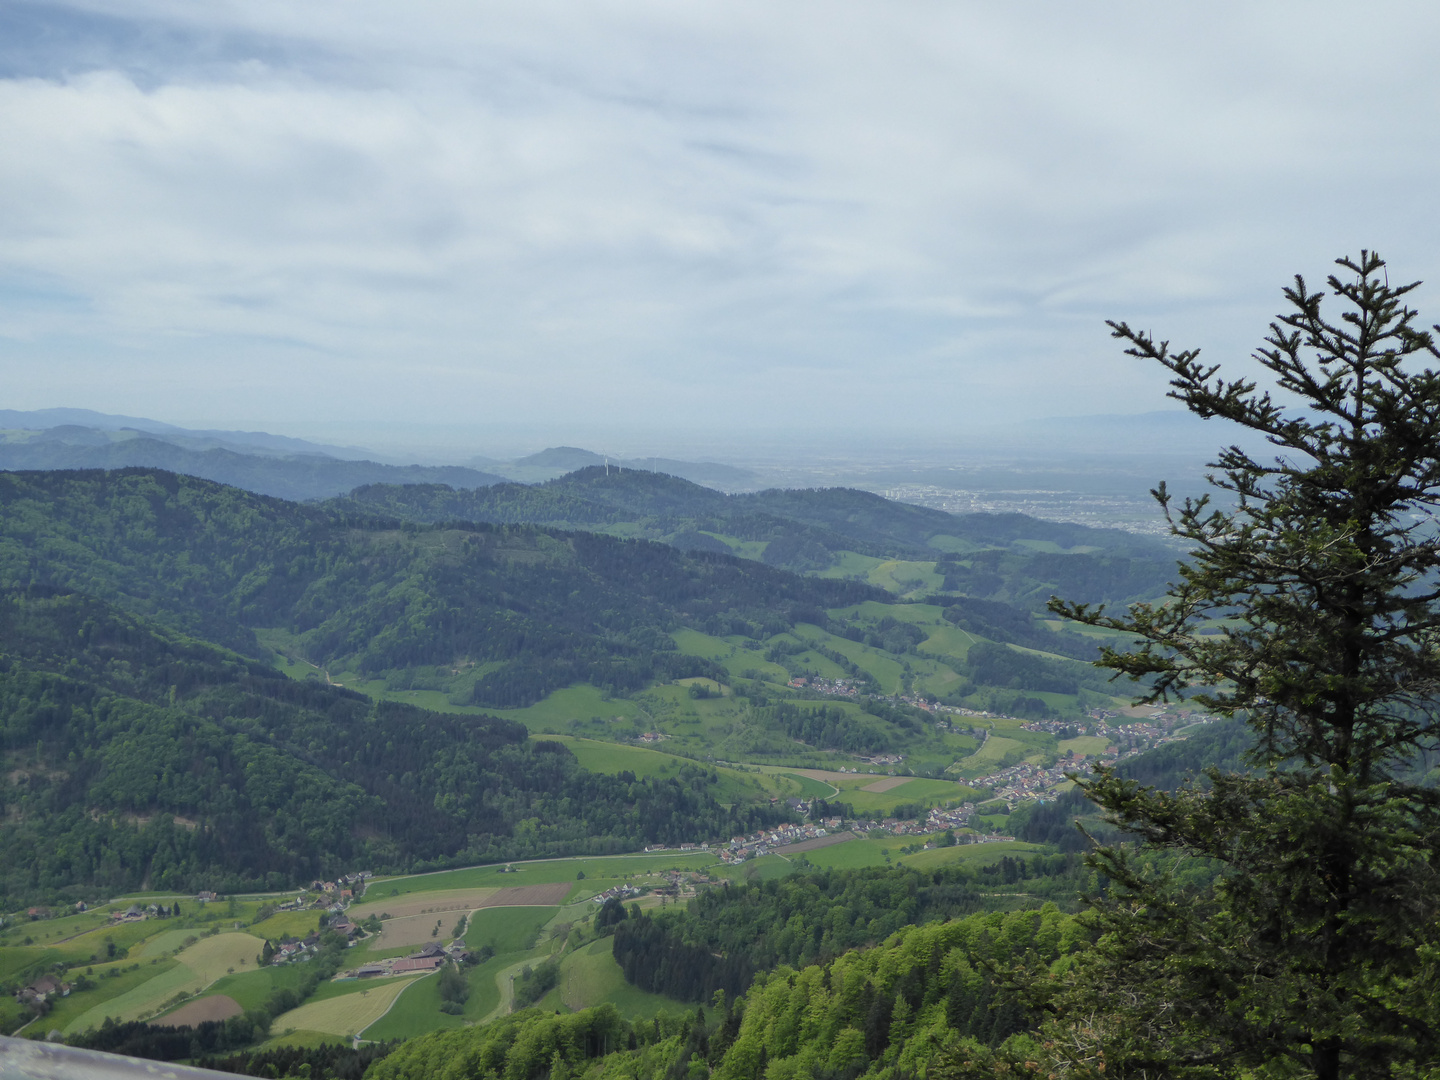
x=529, y=608
x=137, y=757
x=922, y=1003
x=1007, y=556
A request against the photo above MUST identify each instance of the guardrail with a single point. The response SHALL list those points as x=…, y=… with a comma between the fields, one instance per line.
x=26, y=1059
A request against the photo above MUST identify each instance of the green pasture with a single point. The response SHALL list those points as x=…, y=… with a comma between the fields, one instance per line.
x=167, y=941
x=853, y=565
x=745, y=549
x=857, y=854
x=916, y=790
x=590, y=976
x=971, y=854
x=507, y=930
x=194, y=968
x=153, y=986
x=15, y=960
x=415, y=1012
x=735, y=658
x=854, y=853
x=608, y=757
x=811, y=788
x=598, y=869
x=301, y=1040
x=50, y=931
x=1084, y=744
x=735, y=786
x=363, y=1002
x=484, y=989
x=906, y=578
x=562, y=708
x=251, y=988
x=989, y=756
x=107, y=989
x=287, y=923
x=881, y=666
x=949, y=641
x=85, y=938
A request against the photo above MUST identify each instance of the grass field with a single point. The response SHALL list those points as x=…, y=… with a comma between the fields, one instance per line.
x=414, y=1012
x=69, y=1009
x=974, y=854
x=347, y=1013
x=167, y=941
x=590, y=976
x=14, y=961
x=597, y=868
x=607, y=757
x=1085, y=744
x=811, y=788
x=251, y=988
x=906, y=578
x=507, y=930
x=198, y=966
x=855, y=854
x=292, y=923
x=557, y=711
x=301, y=1039
x=733, y=657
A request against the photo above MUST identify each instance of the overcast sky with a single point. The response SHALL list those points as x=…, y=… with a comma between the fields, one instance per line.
x=644, y=215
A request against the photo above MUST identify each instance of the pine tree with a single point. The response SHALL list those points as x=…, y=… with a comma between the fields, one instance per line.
x=1310, y=606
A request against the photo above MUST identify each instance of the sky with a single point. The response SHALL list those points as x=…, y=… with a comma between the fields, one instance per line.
x=677, y=219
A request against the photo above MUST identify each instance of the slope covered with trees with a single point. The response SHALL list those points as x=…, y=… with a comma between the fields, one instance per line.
x=725, y=936
x=140, y=757
x=924, y=999
x=534, y=608
x=999, y=555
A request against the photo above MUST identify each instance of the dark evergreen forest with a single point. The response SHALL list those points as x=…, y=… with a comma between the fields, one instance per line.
x=141, y=757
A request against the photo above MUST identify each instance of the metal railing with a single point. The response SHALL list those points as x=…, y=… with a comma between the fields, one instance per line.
x=26, y=1059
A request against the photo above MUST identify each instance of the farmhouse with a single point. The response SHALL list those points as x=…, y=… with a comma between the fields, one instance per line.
x=416, y=963
x=42, y=989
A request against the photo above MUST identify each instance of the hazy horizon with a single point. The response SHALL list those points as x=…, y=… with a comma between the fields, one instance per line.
x=834, y=220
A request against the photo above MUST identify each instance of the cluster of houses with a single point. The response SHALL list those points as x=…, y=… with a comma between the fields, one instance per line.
x=742, y=848
x=291, y=949
x=832, y=687
x=1029, y=781
x=344, y=888
x=616, y=892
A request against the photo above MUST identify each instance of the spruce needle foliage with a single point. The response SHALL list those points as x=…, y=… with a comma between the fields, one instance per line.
x=1312, y=952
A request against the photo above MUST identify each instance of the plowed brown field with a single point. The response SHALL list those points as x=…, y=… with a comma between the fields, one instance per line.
x=214, y=1007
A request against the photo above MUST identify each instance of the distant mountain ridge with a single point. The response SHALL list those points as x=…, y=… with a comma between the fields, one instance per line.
x=1009, y=557
x=279, y=465
x=556, y=461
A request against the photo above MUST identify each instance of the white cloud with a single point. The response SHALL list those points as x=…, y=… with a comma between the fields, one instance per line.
x=468, y=211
